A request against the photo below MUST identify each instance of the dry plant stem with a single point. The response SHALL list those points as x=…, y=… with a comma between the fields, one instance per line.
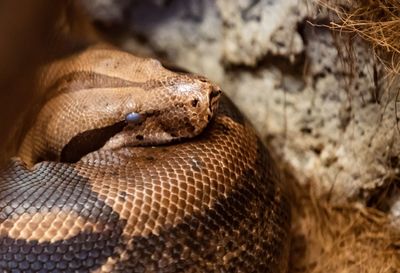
x=376, y=21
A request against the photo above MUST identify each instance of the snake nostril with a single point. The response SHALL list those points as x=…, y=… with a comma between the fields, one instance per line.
x=215, y=93
x=195, y=102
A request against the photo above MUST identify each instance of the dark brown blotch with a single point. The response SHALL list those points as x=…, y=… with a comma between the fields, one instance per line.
x=89, y=141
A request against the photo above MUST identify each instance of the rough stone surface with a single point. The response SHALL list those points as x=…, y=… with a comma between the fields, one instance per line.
x=335, y=124
x=186, y=32
x=107, y=11
x=253, y=29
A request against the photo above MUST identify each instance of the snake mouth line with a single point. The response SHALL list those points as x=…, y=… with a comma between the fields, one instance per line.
x=93, y=140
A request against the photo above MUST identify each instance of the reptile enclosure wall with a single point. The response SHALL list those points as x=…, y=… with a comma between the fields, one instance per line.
x=324, y=100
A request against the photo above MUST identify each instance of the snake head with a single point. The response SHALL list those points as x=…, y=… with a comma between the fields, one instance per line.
x=176, y=107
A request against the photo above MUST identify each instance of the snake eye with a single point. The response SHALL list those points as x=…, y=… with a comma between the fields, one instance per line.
x=134, y=118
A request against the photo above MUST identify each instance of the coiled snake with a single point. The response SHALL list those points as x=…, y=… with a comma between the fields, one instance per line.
x=131, y=167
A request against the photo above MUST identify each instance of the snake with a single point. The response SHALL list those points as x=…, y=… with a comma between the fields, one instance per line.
x=133, y=167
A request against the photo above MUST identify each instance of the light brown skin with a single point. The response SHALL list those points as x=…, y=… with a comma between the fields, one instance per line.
x=88, y=195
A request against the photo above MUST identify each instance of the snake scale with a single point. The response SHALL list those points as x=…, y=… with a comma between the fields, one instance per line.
x=131, y=167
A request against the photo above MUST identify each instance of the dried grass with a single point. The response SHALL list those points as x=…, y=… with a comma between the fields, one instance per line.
x=341, y=238
x=375, y=21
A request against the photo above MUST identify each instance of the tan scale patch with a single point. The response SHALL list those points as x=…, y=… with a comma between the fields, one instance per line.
x=48, y=227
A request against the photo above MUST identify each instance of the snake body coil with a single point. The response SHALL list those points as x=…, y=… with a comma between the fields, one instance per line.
x=90, y=193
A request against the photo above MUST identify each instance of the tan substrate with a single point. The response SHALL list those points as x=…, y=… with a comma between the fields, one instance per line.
x=340, y=238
